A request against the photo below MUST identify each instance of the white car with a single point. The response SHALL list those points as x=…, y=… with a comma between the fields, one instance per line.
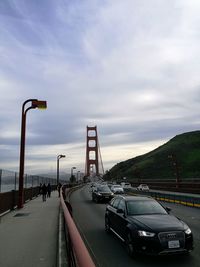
x=126, y=185
x=143, y=187
x=117, y=189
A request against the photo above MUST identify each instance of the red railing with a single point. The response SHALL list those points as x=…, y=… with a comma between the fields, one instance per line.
x=81, y=254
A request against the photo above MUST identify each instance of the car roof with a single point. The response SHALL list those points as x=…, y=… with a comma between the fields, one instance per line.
x=102, y=185
x=134, y=197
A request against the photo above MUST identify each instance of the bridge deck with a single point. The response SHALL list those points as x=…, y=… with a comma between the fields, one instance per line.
x=29, y=236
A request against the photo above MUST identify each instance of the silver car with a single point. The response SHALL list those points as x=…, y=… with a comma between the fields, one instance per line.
x=143, y=187
x=117, y=189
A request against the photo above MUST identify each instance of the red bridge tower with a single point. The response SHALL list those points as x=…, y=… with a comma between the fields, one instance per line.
x=92, y=151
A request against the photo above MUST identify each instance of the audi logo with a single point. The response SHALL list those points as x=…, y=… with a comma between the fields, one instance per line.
x=170, y=236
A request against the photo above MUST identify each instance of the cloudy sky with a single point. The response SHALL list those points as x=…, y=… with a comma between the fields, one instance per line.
x=130, y=67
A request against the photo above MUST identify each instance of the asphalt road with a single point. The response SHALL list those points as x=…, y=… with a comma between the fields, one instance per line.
x=108, y=251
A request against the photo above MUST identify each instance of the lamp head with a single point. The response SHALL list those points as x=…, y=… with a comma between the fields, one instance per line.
x=40, y=104
x=60, y=156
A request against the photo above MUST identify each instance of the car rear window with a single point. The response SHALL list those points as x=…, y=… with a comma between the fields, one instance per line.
x=104, y=188
x=142, y=207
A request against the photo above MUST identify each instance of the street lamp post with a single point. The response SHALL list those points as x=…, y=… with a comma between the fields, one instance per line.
x=73, y=168
x=34, y=104
x=175, y=164
x=77, y=176
x=58, y=158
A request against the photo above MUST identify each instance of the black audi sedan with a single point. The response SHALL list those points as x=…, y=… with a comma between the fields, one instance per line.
x=102, y=193
x=147, y=227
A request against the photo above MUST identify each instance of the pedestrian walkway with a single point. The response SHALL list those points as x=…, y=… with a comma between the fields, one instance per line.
x=29, y=236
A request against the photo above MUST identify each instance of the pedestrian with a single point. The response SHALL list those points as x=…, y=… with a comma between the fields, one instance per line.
x=48, y=190
x=40, y=189
x=44, y=192
x=58, y=188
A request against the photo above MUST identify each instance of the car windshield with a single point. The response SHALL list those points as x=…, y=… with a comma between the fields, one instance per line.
x=142, y=207
x=104, y=188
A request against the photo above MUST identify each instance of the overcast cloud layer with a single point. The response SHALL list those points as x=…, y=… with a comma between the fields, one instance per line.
x=130, y=67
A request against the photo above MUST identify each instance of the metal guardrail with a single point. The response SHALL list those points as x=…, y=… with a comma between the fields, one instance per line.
x=78, y=254
x=184, y=186
x=178, y=198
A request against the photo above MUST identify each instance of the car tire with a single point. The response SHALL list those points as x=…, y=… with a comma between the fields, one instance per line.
x=107, y=225
x=130, y=245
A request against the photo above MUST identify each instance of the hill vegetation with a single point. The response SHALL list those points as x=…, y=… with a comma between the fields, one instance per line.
x=179, y=155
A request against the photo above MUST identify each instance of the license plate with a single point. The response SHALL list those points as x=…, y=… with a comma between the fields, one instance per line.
x=106, y=197
x=173, y=244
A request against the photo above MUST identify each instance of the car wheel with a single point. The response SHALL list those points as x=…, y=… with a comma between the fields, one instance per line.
x=130, y=245
x=107, y=225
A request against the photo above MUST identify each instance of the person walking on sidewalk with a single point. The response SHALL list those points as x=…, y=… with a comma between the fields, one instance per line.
x=58, y=188
x=44, y=192
x=40, y=189
x=48, y=190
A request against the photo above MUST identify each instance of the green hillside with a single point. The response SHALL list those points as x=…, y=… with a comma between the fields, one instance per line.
x=160, y=164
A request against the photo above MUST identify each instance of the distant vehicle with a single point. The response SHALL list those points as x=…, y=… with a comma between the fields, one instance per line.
x=147, y=227
x=117, y=189
x=93, y=186
x=105, y=183
x=126, y=185
x=143, y=187
x=102, y=193
x=110, y=184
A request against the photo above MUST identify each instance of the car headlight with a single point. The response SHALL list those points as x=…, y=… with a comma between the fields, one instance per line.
x=188, y=231
x=99, y=194
x=146, y=234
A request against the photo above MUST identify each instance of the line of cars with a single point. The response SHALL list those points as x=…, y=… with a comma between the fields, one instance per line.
x=142, y=223
x=102, y=192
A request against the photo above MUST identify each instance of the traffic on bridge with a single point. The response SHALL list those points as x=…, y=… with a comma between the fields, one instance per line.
x=106, y=222
x=110, y=250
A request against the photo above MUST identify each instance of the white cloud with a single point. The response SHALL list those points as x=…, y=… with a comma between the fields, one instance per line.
x=129, y=67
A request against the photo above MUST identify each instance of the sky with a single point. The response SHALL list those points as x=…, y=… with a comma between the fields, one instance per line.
x=129, y=67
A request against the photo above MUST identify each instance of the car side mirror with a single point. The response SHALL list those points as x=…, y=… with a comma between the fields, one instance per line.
x=120, y=211
x=168, y=209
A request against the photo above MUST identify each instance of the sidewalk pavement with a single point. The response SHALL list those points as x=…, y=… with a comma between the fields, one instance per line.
x=29, y=236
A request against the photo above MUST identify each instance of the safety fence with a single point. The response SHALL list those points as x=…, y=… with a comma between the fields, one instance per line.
x=9, y=200
x=77, y=253
x=9, y=180
x=178, y=198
